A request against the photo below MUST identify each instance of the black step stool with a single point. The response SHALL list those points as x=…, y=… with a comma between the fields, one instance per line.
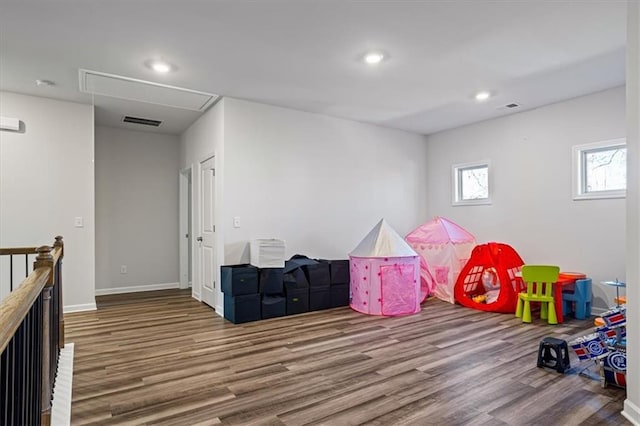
x=554, y=353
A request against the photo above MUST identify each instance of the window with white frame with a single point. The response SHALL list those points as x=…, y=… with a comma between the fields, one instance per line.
x=600, y=170
x=471, y=184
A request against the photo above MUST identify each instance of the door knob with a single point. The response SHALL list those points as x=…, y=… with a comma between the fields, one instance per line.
x=199, y=239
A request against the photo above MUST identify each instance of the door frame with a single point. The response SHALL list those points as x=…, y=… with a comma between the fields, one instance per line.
x=185, y=211
x=197, y=226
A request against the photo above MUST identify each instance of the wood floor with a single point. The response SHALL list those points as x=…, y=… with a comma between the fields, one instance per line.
x=164, y=358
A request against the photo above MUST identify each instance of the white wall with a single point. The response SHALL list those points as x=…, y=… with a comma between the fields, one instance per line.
x=200, y=141
x=317, y=182
x=136, y=210
x=46, y=180
x=532, y=207
x=632, y=403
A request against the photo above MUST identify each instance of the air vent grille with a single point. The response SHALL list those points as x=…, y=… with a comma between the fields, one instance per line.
x=142, y=121
x=512, y=105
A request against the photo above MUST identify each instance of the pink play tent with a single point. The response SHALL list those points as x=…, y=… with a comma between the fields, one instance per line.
x=444, y=248
x=385, y=274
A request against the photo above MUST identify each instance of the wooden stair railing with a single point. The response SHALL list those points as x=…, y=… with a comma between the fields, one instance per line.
x=31, y=336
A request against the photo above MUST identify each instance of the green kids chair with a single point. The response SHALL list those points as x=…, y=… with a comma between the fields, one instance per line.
x=539, y=280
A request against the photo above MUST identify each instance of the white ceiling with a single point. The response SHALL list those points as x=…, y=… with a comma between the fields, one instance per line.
x=306, y=54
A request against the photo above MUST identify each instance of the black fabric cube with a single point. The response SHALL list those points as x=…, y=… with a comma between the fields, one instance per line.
x=297, y=301
x=271, y=280
x=319, y=299
x=239, y=309
x=238, y=280
x=339, y=295
x=318, y=275
x=273, y=306
x=339, y=270
x=295, y=280
x=297, y=261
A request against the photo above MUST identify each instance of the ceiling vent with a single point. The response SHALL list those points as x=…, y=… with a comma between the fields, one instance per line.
x=512, y=105
x=142, y=121
x=116, y=86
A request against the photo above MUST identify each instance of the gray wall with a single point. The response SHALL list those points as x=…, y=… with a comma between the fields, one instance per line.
x=136, y=210
x=317, y=182
x=46, y=181
x=532, y=207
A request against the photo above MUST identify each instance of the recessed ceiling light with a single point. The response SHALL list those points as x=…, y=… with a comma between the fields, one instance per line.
x=45, y=83
x=373, y=58
x=482, y=96
x=159, y=66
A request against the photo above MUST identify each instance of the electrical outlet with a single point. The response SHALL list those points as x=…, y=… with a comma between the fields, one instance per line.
x=123, y=269
x=78, y=222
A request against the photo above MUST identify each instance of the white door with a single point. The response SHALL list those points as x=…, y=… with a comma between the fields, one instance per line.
x=206, y=239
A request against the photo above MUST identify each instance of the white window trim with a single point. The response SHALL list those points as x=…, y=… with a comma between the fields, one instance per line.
x=455, y=184
x=578, y=171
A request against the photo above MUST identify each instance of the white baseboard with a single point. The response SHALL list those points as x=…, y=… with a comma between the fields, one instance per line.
x=136, y=288
x=631, y=412
x=79, y=308
x=220, y=310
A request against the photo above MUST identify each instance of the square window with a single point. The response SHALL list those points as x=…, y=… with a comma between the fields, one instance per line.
x=600, y=170
x=471, y=184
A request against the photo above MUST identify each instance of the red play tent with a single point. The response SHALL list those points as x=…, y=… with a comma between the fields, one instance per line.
x=490, y=278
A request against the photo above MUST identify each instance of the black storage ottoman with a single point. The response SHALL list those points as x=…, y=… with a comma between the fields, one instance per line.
x=319, y=299
x=238, y=280
x=339, y=270
x=339, y=295
x=295, y=280
x=273, y=306
x=271, y=280
x=297, y=301
x=318, y=275
x=239, y=309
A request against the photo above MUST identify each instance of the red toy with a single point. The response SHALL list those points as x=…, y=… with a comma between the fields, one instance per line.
x=489, y=280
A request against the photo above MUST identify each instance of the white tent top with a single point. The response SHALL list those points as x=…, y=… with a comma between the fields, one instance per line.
x=383, y=241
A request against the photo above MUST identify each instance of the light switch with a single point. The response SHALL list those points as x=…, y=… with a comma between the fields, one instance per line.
x=79, y=222
x=236, y=221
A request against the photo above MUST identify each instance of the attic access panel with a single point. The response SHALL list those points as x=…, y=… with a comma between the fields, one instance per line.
x=116, y=86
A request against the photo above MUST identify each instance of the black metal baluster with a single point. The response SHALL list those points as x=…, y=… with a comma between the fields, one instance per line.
x=28, y=377
x=22, y=369
x=10, y=272
x=39, y=359
x=12, y=386
x=4, y=394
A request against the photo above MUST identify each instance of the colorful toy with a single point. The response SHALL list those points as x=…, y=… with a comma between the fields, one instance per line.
x=502, y=264
x=589, y=347
x=385, y=274
x=444, y=248
x=607, y=347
